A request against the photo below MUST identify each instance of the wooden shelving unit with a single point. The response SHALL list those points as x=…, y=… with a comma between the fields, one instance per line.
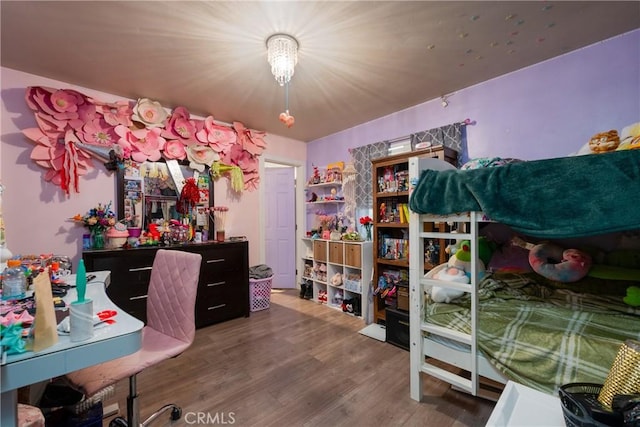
x=391, y=224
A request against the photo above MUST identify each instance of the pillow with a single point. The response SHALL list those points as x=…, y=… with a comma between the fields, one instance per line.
x=510, y=258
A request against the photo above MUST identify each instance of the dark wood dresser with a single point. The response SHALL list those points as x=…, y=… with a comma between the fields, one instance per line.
x=223, y=288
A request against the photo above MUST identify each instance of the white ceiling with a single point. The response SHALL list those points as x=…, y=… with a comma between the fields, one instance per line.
x=358, y=60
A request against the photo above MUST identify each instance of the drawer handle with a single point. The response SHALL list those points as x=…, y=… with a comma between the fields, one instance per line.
x=216, y=284
x=402, y=322
x=138, y=297
x=140, y=269
x=215, y=307
x=210, y=261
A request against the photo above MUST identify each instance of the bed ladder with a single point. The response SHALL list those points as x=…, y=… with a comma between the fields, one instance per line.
x=418, y=327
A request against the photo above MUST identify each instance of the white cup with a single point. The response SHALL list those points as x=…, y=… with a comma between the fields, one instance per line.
x=81, y=320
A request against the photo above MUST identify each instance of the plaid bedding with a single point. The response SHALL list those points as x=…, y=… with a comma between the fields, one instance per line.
x=541, y=336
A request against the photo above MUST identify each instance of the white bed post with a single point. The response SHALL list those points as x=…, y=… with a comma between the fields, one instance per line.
x=416, y=299
x=475, y=377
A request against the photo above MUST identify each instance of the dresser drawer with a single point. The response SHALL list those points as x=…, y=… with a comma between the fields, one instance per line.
x=217, y=285
x=126, y=270
x=222, y=259
x=131, y=298
x=214, y=311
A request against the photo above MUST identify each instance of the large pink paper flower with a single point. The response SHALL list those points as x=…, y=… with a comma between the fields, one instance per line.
x=251, y=141
x=116, y=113
x=97, y=131
x=149, y=113
x=180, y=127
x=63, y=161
x=243, y=159
x=62, y=106
x=144, y=144
x=174, y=150
x=220, y=138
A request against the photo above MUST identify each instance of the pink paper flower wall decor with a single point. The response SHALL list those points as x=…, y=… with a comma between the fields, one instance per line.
x=73, y=129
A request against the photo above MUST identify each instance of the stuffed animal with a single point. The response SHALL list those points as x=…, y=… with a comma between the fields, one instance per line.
x=448, y=274
x=462, y=257
x=462, y=250
x=633, y=296
x=630, y=137
x=605, y=141
x=336, y=280
x=562, y=265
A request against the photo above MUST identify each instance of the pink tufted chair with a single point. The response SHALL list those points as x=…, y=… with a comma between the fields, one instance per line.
x=169, y=331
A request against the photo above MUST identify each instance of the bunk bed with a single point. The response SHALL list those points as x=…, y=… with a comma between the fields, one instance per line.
x=488, y=332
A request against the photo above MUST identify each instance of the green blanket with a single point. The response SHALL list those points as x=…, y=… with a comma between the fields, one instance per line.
x=563, y=197
x=540, y=336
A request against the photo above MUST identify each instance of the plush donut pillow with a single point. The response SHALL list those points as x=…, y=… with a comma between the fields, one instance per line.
x=562, y=265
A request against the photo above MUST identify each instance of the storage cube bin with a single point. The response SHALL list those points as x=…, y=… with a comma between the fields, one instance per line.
x=352, y=285
x=260, y=293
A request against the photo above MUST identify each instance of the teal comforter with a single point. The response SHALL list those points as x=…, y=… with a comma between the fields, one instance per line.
x=563, y=197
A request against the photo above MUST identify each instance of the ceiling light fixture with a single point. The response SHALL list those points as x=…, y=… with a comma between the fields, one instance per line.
x=282, y=54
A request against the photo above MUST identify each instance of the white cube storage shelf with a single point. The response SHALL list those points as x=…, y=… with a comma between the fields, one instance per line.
x=322, y=260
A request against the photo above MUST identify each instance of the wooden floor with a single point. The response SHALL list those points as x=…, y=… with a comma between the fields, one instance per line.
x=297, y=363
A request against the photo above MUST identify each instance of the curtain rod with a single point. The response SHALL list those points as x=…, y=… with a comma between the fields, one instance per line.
x=465, y=122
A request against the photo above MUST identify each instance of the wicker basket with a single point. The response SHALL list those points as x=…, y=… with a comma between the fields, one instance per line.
x=260, y=293
x=624, y=375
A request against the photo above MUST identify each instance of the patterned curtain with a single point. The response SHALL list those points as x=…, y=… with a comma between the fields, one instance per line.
x=449, y=136
x=362, y=157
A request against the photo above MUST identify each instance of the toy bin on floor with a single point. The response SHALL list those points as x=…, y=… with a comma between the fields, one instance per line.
x=260, y=292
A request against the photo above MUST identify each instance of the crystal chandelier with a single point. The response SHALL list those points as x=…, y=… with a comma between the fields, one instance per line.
x=282, y=54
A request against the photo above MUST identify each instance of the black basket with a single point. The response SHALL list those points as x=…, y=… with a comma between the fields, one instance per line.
x=581, y=408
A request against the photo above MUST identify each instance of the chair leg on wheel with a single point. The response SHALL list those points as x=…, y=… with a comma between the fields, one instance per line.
x=176, y=413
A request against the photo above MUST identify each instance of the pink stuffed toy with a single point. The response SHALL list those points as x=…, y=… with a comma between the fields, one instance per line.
x=552, y=262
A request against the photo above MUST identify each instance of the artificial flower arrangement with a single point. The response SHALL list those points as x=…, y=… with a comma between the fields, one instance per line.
x=327, y=222
x=367, y=223
x=97, y=219
x=74, y=128
x=366, y=220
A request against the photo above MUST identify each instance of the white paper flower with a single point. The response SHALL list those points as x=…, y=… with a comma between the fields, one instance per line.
x=149, y=113
x=200, y=156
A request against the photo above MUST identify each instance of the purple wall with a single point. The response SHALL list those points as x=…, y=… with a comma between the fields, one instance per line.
x=547, y=110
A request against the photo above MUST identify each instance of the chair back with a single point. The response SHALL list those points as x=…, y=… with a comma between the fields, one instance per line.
x=172, y=292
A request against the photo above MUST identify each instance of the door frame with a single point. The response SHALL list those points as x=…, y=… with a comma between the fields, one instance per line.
x=300, y=174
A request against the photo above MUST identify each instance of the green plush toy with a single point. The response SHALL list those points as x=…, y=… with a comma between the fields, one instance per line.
x=633, y=296
x=485, y=250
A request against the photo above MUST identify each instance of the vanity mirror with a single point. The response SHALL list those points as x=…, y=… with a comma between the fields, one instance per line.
x=148, y=193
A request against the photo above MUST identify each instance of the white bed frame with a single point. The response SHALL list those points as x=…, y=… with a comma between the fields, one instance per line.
x=422, y=347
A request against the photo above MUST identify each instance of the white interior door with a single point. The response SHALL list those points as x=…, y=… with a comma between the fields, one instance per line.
x=280, y=234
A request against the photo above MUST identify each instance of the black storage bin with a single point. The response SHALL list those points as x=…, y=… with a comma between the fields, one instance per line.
x=397, y=328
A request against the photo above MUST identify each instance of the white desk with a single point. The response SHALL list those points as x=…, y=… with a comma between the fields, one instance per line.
x=520, y=406
x=109, y=342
